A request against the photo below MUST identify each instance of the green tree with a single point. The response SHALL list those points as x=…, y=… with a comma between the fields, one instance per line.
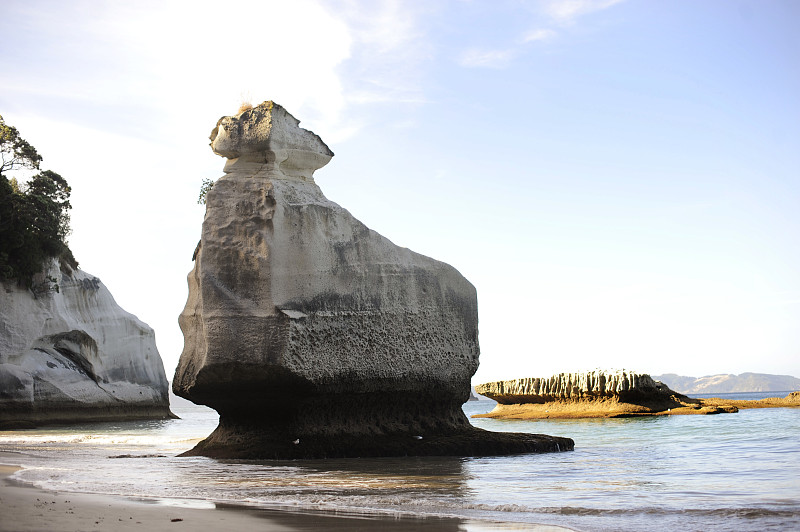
x=16, y=152
x=34, y=217
x=207, y=185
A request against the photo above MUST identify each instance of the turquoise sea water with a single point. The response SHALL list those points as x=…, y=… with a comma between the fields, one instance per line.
x=725, y=472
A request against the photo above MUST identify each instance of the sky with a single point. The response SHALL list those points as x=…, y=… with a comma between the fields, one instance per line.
x=619, y=179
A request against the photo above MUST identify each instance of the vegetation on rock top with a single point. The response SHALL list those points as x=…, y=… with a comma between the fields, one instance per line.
x=34, y=216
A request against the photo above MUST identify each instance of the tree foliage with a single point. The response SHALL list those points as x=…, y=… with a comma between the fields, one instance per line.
x=204, y=188
x=16, y=152
x=34, y=217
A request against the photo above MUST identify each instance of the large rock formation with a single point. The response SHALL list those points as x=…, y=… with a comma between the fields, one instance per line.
x=74, y=355
x=590, y=394
x=313, y=335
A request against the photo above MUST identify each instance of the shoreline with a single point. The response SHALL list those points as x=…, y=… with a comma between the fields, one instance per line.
x=30, y=509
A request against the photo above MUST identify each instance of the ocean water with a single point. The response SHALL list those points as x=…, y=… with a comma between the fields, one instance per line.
x=712, y=473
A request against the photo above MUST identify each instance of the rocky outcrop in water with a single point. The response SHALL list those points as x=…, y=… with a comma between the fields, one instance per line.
x=313, y=335
x=565, y=386
x=791, y=400
x=74, y=355
x=575, y=386
x=591, y=394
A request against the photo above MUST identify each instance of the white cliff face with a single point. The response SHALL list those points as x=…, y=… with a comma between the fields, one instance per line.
x=317, y=292
x=75, y=354
x=573, y=386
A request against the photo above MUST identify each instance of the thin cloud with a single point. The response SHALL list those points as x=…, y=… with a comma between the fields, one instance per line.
x=538, y=35
x=567, y=11
x=388, y=53
x=475, y=58
x=558, y=13
x=128, y=55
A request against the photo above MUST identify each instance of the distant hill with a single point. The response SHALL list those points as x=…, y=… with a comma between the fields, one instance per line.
x=727, y=383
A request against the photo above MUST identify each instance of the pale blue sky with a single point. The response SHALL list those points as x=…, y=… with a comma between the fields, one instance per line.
x=619, y=179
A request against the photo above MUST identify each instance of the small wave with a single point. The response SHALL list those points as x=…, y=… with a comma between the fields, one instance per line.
x=515, y=508
x=139, y=456
x=181, y=502
x=741, y=513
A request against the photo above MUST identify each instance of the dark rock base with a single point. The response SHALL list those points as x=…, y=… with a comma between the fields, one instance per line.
x=256, y=444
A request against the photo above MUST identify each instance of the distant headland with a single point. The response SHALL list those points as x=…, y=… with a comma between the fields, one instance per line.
x=728, y=383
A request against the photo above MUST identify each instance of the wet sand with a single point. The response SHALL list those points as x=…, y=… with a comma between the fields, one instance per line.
x=28, y=509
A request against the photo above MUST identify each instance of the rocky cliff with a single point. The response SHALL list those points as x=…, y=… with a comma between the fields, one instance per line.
x=74, y=355
x=313, y=335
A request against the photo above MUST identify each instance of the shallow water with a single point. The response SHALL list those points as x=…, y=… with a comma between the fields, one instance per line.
x=725, y=472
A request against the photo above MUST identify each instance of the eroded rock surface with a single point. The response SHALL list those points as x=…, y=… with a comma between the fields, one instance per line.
x=575, y=386
x=74, y=355
x=313, y=335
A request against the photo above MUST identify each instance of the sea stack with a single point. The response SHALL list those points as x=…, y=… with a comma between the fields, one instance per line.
x=312, y=335
x=70, y=354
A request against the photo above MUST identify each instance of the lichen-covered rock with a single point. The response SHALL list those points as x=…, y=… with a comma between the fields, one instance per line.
x=74, y=355
x=311, y=334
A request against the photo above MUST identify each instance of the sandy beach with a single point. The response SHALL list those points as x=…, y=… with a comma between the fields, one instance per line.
x=28, y=509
